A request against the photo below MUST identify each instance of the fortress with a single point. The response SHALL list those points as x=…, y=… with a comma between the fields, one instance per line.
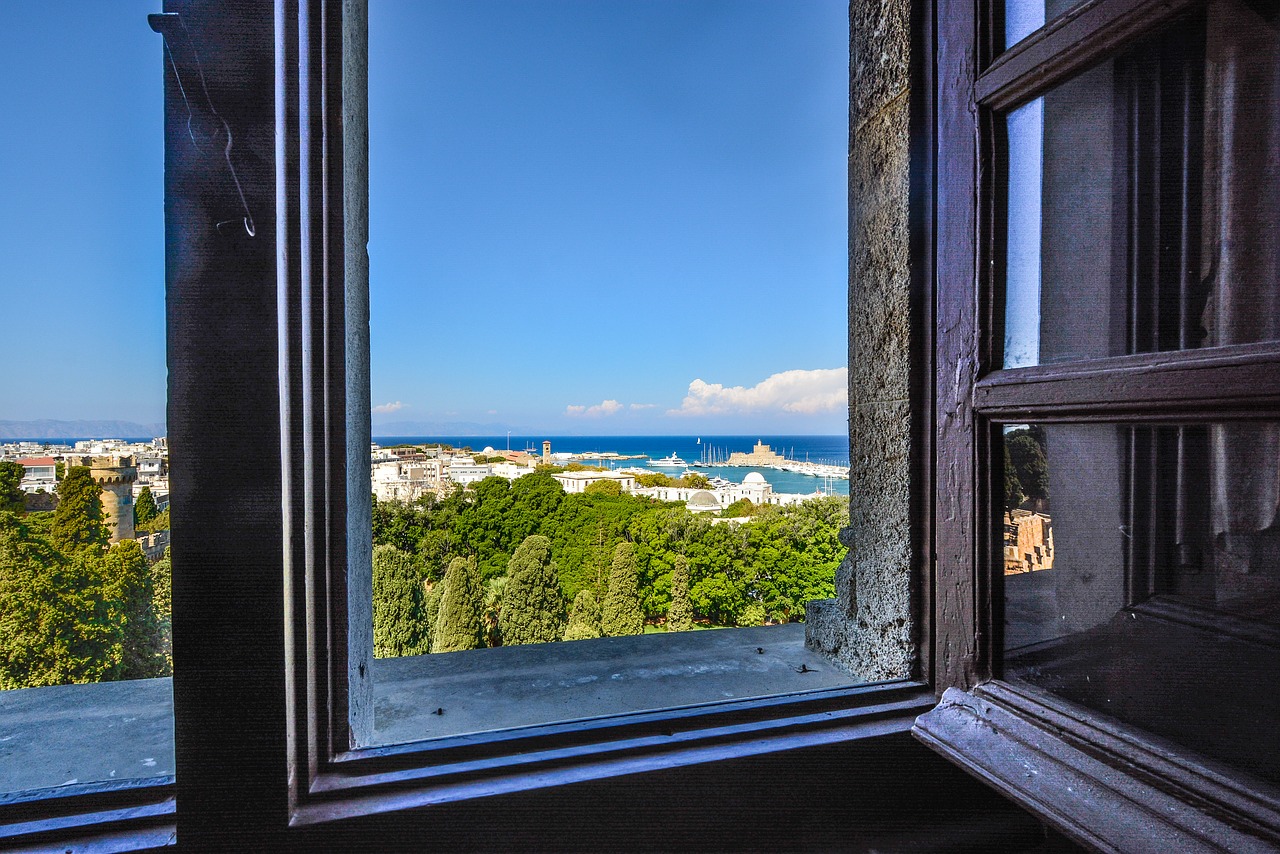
x=115, y=474
x=761, y=455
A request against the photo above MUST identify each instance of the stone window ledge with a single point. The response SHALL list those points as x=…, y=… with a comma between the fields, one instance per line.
x=69, y=736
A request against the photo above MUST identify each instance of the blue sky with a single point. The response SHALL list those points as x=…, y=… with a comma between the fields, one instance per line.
x=587, y=217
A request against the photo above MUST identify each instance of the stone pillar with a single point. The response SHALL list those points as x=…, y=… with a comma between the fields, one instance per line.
x=868, y=626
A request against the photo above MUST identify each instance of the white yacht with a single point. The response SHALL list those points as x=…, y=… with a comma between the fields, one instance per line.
x=670, y=462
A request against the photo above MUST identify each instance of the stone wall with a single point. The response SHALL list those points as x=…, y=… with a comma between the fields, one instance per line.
x=868, y=627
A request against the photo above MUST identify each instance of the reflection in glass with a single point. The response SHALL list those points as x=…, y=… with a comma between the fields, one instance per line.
x=1024, y=17
x=1129, y=224
x=1142, y=578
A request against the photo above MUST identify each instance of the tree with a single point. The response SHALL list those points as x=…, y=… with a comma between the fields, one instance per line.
x=680, y=613
x=434, y=592
x=11, y=498
x=620, y=614
x=739, y=508
x=584, y=617
x=532, y=605
x=162, y=606
x=399, y=616
x=693, y=480
x=77, y=521
x=144, y=509
x=1012, y=485
x=55, y=628
x=459, y=626
x=752, y=615
x=158, y=522
x=1026, y=452
x=604, y=487
x=130, y=597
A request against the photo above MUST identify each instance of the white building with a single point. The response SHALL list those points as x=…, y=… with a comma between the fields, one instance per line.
x=578, y=481
x=40, y=474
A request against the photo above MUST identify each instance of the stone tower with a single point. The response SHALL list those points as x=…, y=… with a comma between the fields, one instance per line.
x=115, y=474
x=546, y=452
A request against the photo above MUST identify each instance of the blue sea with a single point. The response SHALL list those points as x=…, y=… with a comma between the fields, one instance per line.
x=817, y=449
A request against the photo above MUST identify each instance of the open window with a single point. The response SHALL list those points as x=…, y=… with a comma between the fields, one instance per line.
x=1121, y=379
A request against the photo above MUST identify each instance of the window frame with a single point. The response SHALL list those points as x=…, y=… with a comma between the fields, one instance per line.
x=1122, y=777
x=302, y=689
x=268, y=421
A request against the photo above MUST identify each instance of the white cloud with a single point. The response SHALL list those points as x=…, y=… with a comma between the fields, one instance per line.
x=644, y=406
x=385, y=408
x=801, y=392
x=604, y=407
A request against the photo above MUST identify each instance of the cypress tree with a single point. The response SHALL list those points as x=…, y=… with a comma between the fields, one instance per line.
x=127, y=588
x=532, y=605
x=77, y=521
x=680, y=614
x=399, y=619
x=162, y=607
x=584, y=617
x=431, y=607
x=620, y=614
x=144, y=509
x=11, y=498
x=459, y=625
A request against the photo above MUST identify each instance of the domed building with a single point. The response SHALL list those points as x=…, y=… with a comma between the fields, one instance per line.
x=702, y=501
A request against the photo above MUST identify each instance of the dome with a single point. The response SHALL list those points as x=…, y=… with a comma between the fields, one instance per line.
x=702, y=498
x=754, y=477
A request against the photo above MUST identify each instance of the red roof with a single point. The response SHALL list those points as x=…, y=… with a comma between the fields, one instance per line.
x=38, y=461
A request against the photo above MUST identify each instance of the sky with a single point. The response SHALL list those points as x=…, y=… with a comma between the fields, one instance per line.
x=586, y=217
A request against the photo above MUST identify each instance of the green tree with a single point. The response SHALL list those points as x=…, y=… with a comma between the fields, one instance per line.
x=1027, y=453
x=55, y=628
x=11, y=498
x=752, y=615
x=162, y=606
x=77, y=521
x=459, y=625
x=693, y=480
x=680, y=613
x=431, y=607
x=1013, y=495
x=656, y=478
x=399, y=616
x=532, y=605
x=129, y=594
x=144, y=509
x=739, y=508
x=604, y=487
x=620, y=614
x=584, y=617
x=158, y=522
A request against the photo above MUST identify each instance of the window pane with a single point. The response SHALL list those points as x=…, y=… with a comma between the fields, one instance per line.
x=1024, y=17
x=1142, y=578
x=607, y=239
x=1142, y=198
x=84, y=568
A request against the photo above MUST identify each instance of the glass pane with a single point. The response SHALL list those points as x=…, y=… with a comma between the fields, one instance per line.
x=85, y=649
x=1024, y=17
x=1142, y=198
x=568, y=521
x=1142, y=578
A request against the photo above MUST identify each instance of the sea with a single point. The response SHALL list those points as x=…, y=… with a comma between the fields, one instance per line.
x=833, y=450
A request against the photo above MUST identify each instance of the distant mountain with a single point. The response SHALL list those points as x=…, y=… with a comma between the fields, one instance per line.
x=442, y=428
x=49, y=429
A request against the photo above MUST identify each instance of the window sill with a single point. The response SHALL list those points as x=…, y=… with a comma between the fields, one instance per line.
x=431, y=696
x=594, y=709
x=72, y=760
x=1100, y=783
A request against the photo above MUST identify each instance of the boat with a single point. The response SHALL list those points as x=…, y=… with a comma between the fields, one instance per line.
x=670, y=462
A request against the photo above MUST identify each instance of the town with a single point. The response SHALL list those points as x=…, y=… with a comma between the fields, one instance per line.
x=409, y=472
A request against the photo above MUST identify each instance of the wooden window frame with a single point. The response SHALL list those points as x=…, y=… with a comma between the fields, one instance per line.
x=1104, y=784
x=264, y=399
